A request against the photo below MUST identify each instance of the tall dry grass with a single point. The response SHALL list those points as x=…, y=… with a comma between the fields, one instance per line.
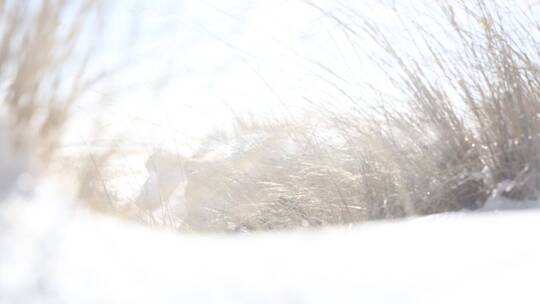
x=470, y=118
x=47, y=66
x=45, y=51
x=465, y=128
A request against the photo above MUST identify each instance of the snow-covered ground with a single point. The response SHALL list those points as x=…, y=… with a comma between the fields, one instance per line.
x=51, y=252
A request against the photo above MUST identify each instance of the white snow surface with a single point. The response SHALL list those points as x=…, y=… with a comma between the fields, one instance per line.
x=52, y=252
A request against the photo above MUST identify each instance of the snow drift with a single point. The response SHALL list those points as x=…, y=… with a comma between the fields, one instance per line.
x=54, y=254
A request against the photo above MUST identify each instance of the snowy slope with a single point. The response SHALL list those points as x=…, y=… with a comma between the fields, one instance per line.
x=72, y=256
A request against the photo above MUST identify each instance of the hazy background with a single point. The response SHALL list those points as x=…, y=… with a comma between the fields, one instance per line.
x=191, y=66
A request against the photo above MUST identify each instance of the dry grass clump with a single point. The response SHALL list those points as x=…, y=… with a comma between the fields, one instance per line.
x=471, y=118
x=44, y=56
x=467, y=127
x=281, y=176
x=47, y=65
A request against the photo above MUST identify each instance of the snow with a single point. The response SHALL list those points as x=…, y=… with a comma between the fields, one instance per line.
x=53, y=252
